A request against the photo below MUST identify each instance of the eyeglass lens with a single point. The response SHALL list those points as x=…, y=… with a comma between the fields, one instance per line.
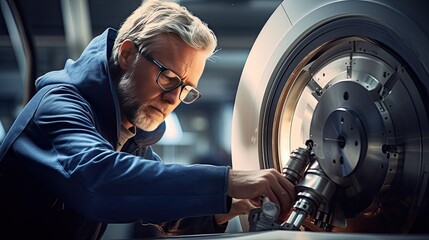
x=168, y=80
x=189, y=94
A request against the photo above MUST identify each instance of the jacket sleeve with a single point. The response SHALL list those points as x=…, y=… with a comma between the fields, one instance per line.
x=64, y=150
x=184, y=226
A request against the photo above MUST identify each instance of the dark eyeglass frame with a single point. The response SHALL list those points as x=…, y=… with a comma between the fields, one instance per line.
x=181, y=84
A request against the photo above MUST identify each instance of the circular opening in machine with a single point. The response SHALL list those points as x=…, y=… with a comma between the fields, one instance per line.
x=349, y=95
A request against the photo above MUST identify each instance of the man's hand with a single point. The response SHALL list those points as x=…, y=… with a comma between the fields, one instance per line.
x=268, y=183
x=238, y=207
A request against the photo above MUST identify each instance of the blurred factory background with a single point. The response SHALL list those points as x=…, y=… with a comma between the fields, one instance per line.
x=59, y=29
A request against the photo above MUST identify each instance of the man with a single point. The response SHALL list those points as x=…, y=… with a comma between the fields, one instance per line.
x=79, y=155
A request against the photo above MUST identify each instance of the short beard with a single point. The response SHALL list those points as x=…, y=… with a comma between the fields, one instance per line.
x=130, y=102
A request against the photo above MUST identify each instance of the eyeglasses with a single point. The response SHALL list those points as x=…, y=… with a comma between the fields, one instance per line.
x=169, y=80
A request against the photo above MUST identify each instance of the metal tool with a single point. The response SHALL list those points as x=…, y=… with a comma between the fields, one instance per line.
x=315, y=190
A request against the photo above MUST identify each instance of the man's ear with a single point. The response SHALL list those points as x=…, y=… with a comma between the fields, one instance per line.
x=127, y=54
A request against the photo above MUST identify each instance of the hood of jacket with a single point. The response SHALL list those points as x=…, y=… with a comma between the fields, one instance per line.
x=90, y=75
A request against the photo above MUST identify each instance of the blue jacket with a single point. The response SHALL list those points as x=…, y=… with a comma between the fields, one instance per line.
x=59, y=167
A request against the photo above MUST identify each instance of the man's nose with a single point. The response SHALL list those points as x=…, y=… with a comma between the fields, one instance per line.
x=172, y=97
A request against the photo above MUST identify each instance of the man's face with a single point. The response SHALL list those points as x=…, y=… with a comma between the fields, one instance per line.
x=143, y=102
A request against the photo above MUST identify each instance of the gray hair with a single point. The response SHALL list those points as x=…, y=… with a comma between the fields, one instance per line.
x=155, y=17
